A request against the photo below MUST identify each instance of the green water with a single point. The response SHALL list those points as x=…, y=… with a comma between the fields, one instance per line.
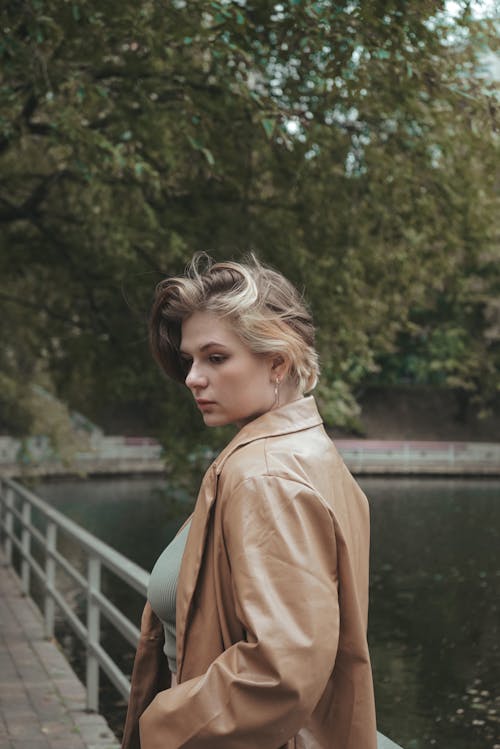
x=435, y=582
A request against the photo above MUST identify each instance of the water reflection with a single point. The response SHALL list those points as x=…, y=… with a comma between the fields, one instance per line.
x=435, y=578
x=434, y=621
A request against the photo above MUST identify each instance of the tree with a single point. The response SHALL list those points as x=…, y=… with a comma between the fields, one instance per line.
x=351, y=144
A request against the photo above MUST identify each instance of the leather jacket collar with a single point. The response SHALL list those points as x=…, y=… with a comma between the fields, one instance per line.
x=292, y=417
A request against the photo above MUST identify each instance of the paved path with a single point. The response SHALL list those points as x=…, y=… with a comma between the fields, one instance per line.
x=42, y=703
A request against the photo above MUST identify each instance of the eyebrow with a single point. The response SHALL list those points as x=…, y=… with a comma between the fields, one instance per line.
x=205, y=346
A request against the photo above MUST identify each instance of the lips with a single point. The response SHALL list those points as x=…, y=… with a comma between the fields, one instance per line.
x=201, y=403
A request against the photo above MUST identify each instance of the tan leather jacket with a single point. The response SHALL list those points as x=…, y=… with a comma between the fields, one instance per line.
x=272, y=604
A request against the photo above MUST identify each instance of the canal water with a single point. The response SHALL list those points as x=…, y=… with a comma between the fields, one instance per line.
x=434, y=607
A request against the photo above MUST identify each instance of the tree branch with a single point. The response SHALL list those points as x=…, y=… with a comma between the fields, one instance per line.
x=30, y=207
x=39, y=306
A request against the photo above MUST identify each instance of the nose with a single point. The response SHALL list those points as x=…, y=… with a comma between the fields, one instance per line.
x=195, y=378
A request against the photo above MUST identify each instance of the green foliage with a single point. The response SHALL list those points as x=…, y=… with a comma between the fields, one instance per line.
x=352, y=145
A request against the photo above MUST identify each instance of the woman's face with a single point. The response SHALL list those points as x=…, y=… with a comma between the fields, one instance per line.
x=231, y=385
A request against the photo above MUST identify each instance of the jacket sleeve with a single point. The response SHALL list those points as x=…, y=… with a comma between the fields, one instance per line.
x=280, y=540
x=150, y=674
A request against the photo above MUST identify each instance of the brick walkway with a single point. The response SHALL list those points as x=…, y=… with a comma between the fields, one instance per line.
x=42, y=703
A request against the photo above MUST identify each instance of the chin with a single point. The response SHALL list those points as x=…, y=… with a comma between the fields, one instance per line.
x=211, y=420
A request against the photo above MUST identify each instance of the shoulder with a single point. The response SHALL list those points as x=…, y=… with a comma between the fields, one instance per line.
x=299, y=456
x=278, y=469
x=263, y=498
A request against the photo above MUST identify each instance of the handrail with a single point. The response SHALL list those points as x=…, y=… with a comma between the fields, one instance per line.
x=19, y=534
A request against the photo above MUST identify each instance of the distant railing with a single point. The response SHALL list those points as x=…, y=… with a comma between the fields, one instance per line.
x=97, y=454
x=420, y=457
x=16, y=508
x=18, y=532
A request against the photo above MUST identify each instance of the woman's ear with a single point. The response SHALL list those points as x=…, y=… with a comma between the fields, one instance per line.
x=279, y=366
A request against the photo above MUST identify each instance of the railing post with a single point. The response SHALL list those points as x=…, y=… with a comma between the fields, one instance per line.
x=50, y=579
x=26, y=547
x=9, y=524
x=93, y=632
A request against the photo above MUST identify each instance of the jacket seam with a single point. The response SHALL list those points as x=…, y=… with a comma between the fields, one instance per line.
x=281, y=478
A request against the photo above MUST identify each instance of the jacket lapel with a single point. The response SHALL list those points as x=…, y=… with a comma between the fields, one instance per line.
x=293, y=417
x=192, y=558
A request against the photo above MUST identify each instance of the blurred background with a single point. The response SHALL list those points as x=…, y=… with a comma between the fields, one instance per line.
x=352, y=145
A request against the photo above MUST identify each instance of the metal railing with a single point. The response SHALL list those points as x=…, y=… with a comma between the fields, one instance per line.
x=420, y=457
x=96, y=454
x=17, y=506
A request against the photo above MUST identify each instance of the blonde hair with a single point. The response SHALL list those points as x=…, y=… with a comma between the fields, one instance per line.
x=267, y=312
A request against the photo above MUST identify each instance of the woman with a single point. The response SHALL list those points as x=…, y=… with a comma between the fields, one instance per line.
x=265, y=640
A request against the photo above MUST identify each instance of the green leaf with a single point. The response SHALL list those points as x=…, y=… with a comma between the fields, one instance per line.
x=268, y=126
x=208, y=155
x=196, y=144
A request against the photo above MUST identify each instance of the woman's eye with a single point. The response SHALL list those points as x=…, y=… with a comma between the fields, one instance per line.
x=217, y=358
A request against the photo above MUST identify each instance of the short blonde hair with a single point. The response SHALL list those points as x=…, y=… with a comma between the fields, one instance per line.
x=267, y=312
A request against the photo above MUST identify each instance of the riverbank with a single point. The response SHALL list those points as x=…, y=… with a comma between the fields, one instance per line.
x=401, y=431
x=121, y=456
x=424, y=414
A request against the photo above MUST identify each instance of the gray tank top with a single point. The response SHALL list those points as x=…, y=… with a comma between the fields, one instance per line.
x=162, y=591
